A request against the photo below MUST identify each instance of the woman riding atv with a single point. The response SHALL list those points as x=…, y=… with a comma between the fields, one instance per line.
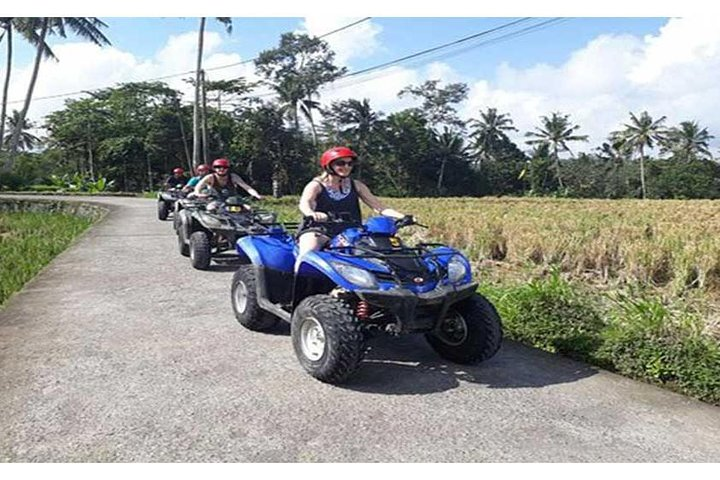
x=222, y=181
x=334, y=193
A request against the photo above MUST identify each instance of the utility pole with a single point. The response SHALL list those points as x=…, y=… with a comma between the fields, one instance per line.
x=196, y=103
x=204, y=119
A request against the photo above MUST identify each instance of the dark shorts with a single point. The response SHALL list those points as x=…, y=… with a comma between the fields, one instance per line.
x=328, y=229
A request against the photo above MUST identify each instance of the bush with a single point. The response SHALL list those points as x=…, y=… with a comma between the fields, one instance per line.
x=552, y=315
x=11, y=181
x=647, y=340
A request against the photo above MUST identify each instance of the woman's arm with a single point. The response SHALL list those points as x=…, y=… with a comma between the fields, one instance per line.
x=239, y=182
x=201, y=185
x=373, y=202
x=307, y=201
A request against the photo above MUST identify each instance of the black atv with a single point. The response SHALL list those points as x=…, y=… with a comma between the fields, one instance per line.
x=166, y=201
x=210, y=230
x=190, y=202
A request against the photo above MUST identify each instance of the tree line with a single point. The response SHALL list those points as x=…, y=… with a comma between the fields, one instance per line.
x=134, y=134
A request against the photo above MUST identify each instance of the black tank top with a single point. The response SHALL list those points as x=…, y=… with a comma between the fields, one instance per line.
x=227, y=191
x=327, y=202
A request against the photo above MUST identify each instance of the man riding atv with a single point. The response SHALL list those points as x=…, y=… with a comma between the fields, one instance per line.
x=200, y=172
x=224, y=182
x=173, y=191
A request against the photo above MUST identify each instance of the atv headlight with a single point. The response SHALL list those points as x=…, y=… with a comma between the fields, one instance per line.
x=456, y=269
x=355, y=275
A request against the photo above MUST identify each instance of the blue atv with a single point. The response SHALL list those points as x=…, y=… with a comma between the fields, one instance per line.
x=366, y=280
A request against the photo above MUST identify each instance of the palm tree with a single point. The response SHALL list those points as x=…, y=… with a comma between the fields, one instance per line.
x=488, y=131
x=227, y=22
x=640, y=133
x=689, y=142
x=307, y=105
x=86, y=27
x=556, y=132
x=449, y=146
x=21, y=25
x=27, y=141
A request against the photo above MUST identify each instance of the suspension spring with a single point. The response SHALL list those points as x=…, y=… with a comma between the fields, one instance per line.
x=362, y=310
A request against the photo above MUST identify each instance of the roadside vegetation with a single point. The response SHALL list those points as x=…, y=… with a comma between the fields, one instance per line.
x=29, y=241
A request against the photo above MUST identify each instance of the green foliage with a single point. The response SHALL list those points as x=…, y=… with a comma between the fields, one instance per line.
x=636, y=336
x=552, y=315
x=680, y=179
x=28, y=241
x=77, y=183
x=11, y=181
x=646, y=339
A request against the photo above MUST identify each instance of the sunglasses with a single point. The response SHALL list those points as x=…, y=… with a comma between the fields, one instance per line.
x=342, y=163
x=220, y=168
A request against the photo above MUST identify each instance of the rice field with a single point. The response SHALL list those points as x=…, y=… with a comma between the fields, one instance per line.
x=673, y=245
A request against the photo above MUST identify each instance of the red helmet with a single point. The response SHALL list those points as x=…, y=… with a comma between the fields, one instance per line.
x=178, y=170
x=202, y=168
x=221, y=162
x=333, y=154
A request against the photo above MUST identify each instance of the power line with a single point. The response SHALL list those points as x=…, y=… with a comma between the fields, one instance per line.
x=507, y=36
x=69, y=94
x=439, y=47
x=454, y=43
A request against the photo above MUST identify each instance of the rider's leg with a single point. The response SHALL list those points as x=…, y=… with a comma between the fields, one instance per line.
x=309, y=242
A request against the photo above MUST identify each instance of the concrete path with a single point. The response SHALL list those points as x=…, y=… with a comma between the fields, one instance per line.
x=120, y=351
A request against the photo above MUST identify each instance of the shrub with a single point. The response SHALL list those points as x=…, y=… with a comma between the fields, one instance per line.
x=552, y=315
x=648, y=340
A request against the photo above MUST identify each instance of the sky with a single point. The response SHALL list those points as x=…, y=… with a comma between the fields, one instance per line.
x=596, y=69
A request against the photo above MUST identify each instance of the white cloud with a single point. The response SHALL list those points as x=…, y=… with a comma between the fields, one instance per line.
x=358, y=41
x=673, y=73
x=84, y=66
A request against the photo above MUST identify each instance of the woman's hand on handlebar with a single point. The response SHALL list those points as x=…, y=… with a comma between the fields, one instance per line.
x=320, y=217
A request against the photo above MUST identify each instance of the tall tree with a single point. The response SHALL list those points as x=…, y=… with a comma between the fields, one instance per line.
x=354, y=123
x=227, y=22
x=555, y=132
x=87, y=28
x=449, y=148
x=688, y=142
x=488, y=133
x=296, y=70
x=641, y=132
x=438, y=106
x=24, y=27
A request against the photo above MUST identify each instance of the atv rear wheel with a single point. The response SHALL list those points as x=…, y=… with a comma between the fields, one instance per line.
x=200, y=250
x=162, y=209
x=327, y=338
x=244, y=301
x=471, y=332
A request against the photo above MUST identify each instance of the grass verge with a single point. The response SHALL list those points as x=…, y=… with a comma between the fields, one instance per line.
x=632, y=334
x=29, y=240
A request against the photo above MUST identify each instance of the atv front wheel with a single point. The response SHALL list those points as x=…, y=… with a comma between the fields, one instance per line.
x=200, y=250
x=244, y=301
x=182, y=243
x=327, y=338
x=162, y=209
x=471, y=332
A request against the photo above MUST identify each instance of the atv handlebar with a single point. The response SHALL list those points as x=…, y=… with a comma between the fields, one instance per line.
x=407, y=221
